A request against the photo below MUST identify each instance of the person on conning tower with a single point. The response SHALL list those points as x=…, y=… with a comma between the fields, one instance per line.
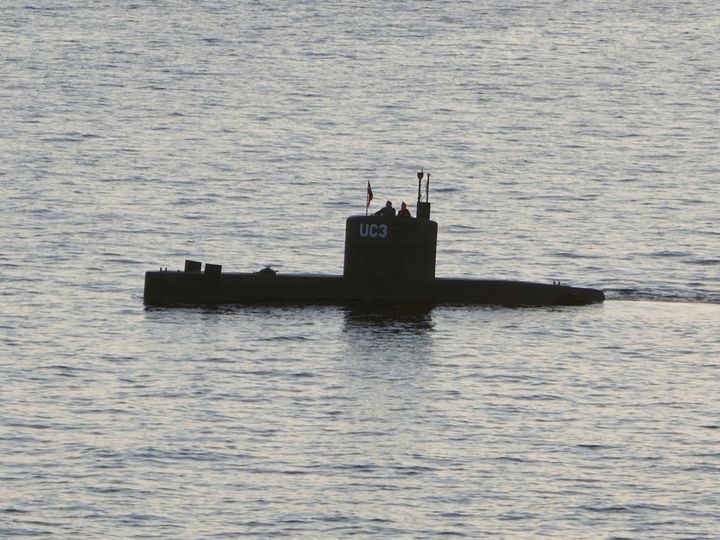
x=387, y=211
x=404, y=212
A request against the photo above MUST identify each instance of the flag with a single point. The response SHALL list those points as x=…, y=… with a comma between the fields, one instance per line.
x=369, y=196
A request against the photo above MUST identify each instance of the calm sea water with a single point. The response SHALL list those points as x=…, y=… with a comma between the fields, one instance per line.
x=573, y=141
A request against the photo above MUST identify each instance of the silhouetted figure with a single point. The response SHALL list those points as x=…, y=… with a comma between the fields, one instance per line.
x=387, y=211
x=404, y=212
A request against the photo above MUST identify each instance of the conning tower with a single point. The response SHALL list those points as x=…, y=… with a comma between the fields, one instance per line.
x=392, y=249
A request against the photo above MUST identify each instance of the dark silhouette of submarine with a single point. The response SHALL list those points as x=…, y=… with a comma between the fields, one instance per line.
x=388, y=260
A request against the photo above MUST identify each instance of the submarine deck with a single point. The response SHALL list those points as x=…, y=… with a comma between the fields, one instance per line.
x=163, y=288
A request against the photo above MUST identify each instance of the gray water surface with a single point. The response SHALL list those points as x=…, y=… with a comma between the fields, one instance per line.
x=572, y=141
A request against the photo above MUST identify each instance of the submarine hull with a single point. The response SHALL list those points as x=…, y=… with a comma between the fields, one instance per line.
x=163, y=288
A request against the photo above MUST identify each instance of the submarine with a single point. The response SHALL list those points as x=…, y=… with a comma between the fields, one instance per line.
x=389, y=260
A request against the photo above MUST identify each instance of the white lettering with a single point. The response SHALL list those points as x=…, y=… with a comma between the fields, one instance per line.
x=373, y=230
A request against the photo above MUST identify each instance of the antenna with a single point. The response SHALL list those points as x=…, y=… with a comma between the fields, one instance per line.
x=420, y=177
x=423, y=208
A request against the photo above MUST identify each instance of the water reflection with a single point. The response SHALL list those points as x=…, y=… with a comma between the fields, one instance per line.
x=391, y=342
x=398, y=319
x=384, y=379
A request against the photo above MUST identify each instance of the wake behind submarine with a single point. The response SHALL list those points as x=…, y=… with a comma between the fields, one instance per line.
x=389, y=259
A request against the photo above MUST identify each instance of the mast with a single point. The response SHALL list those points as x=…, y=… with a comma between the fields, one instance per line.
x=423, y=207
x=420, y=177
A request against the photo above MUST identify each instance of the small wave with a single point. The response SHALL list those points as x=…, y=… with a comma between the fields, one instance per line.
x=285, y=338
x=666, y=254
x=689, y=297
x=625, y=508
x=573, y=255
x=463, y=228
x=512, y=459
x=13, y=511
x=66, y=137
